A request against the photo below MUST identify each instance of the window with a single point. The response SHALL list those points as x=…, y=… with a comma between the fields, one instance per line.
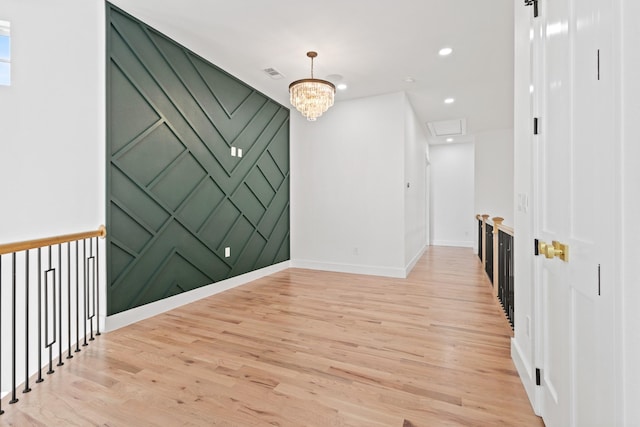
x=5, y=53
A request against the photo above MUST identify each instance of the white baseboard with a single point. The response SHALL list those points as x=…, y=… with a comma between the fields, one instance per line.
x=414, y=261
x=458, y=243
x=152, y=309
x=371, y=270
x=527, y=375
x=128, y=317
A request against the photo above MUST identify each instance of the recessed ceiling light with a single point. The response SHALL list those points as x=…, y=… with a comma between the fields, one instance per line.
x=449, y=101
x=342, y=86
x=449, y=139
x=409, y=79
x=445, y=51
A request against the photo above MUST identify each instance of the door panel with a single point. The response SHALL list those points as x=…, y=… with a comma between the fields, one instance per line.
x=554, y=81
x=556, y=349
x=584, y=343
x=574, y=166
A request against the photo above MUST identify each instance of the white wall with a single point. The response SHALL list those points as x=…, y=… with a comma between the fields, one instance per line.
x=494, y=174
x=52, y=119
x=348, y=187
x=452, y=195
x=415, y=199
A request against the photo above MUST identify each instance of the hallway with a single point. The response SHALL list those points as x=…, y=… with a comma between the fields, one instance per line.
x=303, y=348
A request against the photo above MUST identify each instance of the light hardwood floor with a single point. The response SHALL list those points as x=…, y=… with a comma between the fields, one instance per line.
x=302, y=348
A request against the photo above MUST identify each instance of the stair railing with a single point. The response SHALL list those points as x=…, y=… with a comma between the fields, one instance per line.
x=495, y=249
x=49, y=302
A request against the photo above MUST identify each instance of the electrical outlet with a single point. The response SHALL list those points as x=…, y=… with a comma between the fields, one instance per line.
x=233, y=151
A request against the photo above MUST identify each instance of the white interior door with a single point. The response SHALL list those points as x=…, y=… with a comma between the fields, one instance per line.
x=574, y=166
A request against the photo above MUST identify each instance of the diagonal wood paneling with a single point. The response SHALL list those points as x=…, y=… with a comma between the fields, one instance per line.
x=176, y=196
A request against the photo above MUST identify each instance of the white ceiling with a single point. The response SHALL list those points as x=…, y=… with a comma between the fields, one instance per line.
x=373, y=44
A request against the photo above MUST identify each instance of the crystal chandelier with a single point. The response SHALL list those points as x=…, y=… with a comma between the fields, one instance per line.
x=312, y=97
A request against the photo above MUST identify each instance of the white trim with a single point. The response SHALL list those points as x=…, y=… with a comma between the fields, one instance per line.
x=371, y=270
x=414, y=261
x=5, y=28
x=116, y=321
x=526, y=373
x=458, y=243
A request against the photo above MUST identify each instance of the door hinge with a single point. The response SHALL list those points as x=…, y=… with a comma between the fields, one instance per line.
x=538, y=376
x=599, y=280
x=536, y=250
x=536, y=126
x=598, y=60
x=535, y=6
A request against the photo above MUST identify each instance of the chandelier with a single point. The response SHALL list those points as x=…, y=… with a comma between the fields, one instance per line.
x=312, y=97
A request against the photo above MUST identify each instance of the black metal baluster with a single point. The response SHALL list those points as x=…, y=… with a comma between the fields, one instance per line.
x=14, y=399
x=97, y=291
x=77, y=298
x=40, y=379
x=91, y=295
x=84, y=257
x=489, y=251
x=480, y=239
x=27, y=389
x=511, y=289
x=1, y=410
x=69, y=355
x=46, y=316
x=49, y=305
x=59, y=336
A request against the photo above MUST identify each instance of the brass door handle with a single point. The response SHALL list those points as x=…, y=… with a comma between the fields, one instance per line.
x=542, y=247
x=555, y=249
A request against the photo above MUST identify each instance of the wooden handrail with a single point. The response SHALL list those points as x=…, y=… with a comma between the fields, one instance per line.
x=8, y=248
x=506, y=229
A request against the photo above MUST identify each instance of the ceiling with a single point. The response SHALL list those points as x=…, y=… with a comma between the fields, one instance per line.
x=374, y=45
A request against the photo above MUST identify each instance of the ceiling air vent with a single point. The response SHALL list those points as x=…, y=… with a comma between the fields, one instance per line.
x=446, y=128
x=273, y=73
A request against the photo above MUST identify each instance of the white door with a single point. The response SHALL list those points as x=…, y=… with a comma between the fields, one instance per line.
x=573, y=98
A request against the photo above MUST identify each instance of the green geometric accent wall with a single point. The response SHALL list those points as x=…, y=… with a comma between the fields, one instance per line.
x=176, y=196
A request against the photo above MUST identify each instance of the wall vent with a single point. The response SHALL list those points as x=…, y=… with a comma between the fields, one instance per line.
x=273, y=73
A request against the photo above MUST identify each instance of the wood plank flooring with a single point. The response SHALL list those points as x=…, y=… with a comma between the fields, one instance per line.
x=302, y=348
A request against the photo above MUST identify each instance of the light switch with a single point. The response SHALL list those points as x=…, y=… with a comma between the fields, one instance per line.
x=239, y=152
x=227, y=252
x=233, y=151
